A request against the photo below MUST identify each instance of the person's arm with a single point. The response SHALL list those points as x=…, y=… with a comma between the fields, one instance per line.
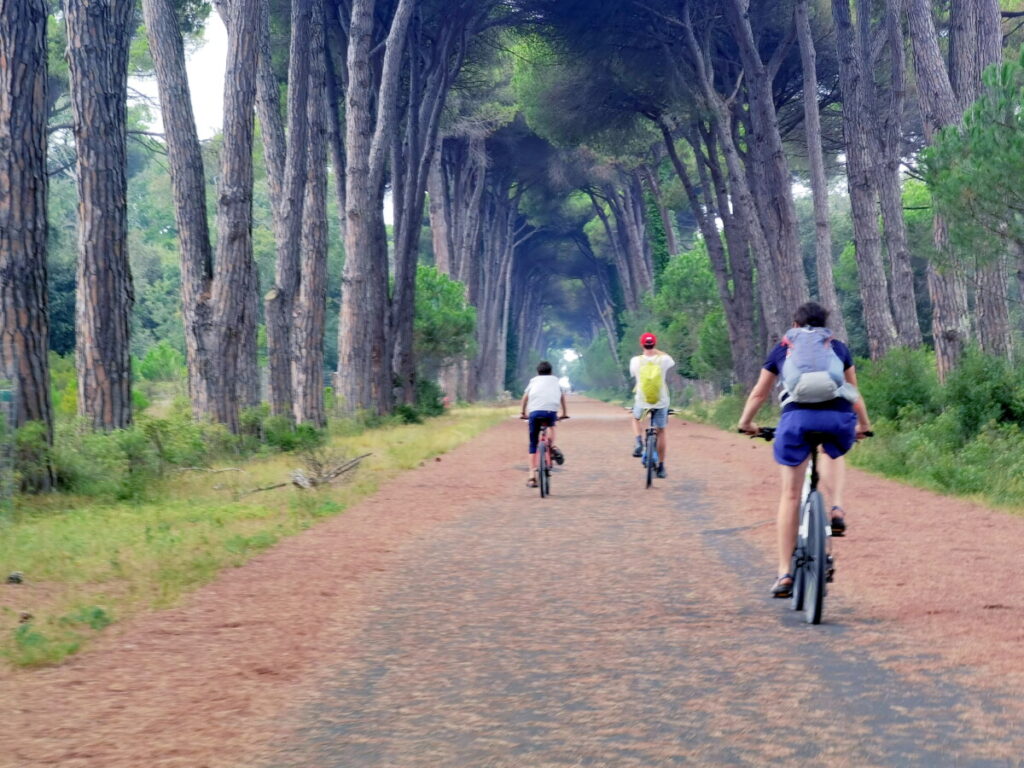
x=863, y=422
x=522, y=405
x=758, y=395
x=565, y=414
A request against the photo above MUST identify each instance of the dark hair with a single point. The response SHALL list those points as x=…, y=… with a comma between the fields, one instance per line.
x=544, y=368
x=812, y=314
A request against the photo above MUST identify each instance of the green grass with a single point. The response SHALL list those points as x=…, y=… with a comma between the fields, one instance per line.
x=86, y=561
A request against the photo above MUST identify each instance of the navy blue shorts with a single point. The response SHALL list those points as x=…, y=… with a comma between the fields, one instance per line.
x=540, y=419
x=791, y=446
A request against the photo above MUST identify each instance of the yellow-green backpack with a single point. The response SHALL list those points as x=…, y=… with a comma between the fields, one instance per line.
x=650, y=379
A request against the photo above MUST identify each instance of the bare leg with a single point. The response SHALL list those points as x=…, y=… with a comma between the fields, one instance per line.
x=637, y=430
x=662, y=442
x=789, y=501
x=832, y=478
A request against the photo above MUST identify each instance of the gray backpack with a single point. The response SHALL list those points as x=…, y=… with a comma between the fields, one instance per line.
x=813, y=372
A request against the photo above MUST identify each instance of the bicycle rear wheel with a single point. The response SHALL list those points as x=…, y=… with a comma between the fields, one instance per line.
x=815, y=560
x=543, y=471
x=650, y=457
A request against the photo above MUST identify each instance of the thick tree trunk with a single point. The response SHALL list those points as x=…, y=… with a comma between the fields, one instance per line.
x=939, y=108
x=889, y=128
x=733, y=287
x=438, y=212
x=768, y=158
x=975, y=43
x=774, y=304
x=311, y=304
x=819, y=184
x=861, y=178
x=24, y=324
x=279, y=302
x=429, y=83
x=185, y=160
x=364, y=367
x=99, y=35
x=233, y=342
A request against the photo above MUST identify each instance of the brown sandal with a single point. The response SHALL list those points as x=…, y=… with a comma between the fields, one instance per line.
x=531, y=483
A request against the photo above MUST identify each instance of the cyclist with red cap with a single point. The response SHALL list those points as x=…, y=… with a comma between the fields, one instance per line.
x=650, y=369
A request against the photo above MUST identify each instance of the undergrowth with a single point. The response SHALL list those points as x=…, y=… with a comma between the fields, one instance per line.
x=122, y=545
x=963, y=437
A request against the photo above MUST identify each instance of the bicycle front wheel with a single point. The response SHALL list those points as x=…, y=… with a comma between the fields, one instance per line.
x=815, y=560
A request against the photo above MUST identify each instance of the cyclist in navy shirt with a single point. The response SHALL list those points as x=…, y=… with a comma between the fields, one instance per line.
x=844, y=420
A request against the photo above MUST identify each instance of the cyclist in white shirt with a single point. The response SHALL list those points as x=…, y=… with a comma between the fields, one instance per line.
x=540, y=405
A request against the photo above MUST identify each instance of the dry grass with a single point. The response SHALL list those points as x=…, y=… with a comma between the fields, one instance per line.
x=87, y=563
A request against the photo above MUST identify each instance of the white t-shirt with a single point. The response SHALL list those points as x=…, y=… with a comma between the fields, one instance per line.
x=544, y=393
x=665, y=362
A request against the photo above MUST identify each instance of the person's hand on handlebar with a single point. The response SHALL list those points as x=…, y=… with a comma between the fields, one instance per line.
x=864, y=430
x=749, y=428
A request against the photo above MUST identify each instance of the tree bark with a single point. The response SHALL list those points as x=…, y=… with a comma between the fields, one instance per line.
x=188, y=184
x=975, y=42
x=861, y=180
x=311, y=304
x=364, y=368
x=819, y=184
x=768, y=158
x=279, y=302
x=24, y=323
x=939, y=108
x=889, y=128
x=233, y=342
x=99, y=35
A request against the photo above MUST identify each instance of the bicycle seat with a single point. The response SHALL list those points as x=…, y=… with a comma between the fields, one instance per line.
x=816, y=439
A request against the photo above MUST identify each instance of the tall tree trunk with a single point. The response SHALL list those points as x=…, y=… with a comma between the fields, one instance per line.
x=99, y=35
x=861, y=180
x=438, y=212
x=889, y=128
x=364, y=368
x=233, y=342
x=768, y=158
x=279, y=301
x=950, y=325
x=188, y=184
x=24, y=323
x=650, y=173
x=775, y=306
x=819, y=184
x=311, y=303
x=975, y=42
x=429, y=82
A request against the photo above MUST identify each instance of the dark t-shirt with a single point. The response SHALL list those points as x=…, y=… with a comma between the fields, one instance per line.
x=774, y=365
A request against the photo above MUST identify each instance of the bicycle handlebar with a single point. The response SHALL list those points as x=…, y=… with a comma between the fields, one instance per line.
x=527, y=418
x=768, y=433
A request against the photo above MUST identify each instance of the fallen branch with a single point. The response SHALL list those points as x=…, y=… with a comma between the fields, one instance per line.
x=207, y=469
x=257, y=490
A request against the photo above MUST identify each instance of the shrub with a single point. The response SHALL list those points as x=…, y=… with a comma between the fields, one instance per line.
x=904, y=378
x=984, y=389
x=162, y=362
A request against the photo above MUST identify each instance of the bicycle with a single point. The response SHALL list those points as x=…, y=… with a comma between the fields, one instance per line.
x=649, y=457
x=813, y=566
x=544, y=458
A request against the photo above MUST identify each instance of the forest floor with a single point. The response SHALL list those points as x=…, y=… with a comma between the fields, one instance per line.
x=456, y=619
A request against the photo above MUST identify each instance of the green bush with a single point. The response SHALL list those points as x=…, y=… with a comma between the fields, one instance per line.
x=429, y=397
x=984, y=389
x=905, y=378
x=162, y=362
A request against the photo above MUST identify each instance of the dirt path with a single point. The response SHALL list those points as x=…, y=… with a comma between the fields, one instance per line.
x=456, y=620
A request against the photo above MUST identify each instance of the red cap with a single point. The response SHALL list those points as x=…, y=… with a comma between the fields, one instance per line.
x=648, y=340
